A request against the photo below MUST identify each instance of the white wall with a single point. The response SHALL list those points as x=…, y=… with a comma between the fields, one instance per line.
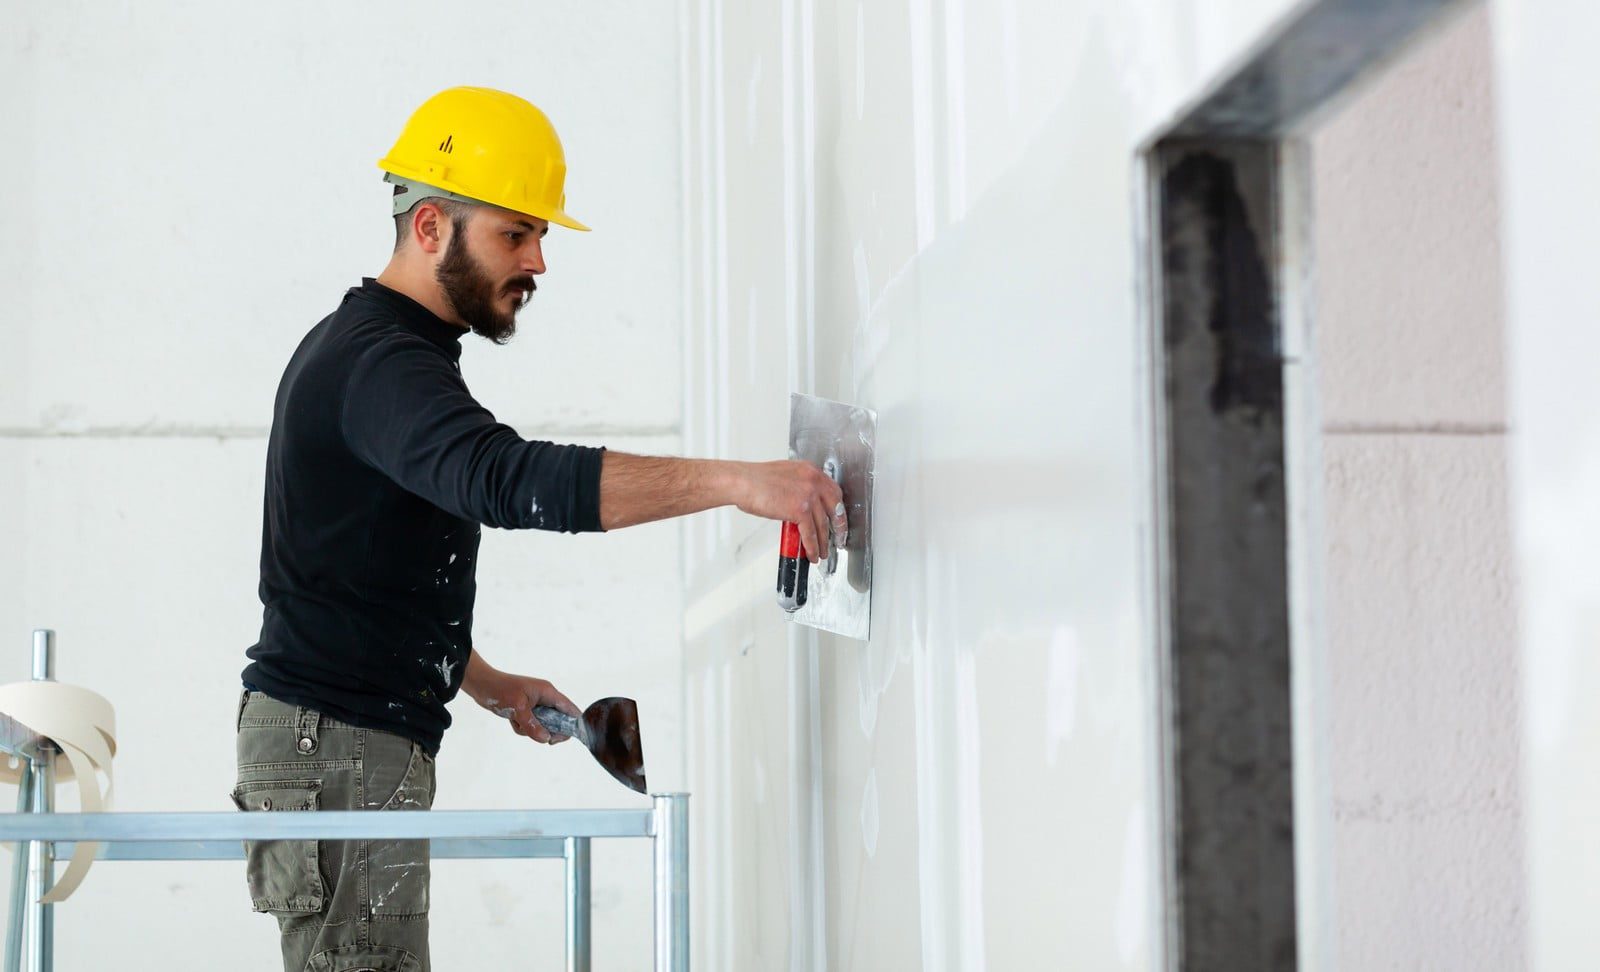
x=1548, y=78
x=928, y=209
x=1417, y=592
x=190, y=187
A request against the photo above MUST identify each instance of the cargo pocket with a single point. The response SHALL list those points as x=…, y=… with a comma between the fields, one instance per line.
x=398, y=870
x=283, y=874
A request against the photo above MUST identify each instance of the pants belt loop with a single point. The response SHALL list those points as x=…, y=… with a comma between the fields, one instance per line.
x=305, y=729
x=238, y=717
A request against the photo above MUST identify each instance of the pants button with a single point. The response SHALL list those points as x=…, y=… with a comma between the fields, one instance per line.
x=307, y=744
x=266, y=803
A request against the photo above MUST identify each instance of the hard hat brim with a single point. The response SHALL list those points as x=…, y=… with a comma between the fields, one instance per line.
x=562, y=219
x=553, y=215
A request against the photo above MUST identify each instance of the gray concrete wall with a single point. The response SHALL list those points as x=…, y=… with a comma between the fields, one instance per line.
x=1423, y=703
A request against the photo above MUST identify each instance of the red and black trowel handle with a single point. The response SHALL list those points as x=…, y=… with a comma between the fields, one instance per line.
x=793, y=569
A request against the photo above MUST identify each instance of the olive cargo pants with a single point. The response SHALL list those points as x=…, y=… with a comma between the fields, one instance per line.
x=341, y=905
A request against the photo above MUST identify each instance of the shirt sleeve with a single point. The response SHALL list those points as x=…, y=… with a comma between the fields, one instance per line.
x=408, y=413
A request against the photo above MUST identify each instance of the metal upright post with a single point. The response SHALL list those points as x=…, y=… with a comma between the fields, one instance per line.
x=672, y=882
x=19, y=874
x=41, y=855
x=577, y=856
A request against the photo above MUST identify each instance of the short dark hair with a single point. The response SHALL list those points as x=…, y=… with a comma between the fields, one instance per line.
x=458, y=211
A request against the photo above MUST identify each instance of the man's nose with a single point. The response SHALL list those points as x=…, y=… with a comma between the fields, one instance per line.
x=533, y=259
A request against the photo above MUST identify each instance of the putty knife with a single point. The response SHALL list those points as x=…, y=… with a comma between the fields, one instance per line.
x=610, y=728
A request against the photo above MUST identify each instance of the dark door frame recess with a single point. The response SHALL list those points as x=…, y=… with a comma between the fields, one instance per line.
x=1213, y=259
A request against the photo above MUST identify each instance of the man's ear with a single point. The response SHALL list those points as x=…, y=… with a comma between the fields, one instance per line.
x=428, y=227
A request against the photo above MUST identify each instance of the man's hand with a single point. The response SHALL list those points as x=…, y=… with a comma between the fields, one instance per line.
x=643, y=489
x=795, y=492
x=512, y=697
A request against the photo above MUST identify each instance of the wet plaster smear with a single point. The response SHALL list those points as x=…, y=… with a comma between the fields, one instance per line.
x=926, y=208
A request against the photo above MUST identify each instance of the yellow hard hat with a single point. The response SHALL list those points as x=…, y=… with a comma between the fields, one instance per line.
x=484, y=145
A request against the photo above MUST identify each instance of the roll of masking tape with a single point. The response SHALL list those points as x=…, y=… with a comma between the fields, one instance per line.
x=83, y=727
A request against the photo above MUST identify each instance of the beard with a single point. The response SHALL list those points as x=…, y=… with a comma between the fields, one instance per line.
x=474, y=294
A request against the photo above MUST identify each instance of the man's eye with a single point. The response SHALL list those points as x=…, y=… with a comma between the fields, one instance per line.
x=514, y=236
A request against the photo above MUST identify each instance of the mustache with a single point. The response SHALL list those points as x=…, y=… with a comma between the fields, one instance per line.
x=523, y=283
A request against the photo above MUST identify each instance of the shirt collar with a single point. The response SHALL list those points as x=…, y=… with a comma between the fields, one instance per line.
x=412, y=316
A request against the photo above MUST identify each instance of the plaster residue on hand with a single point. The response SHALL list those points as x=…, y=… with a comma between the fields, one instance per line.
x=503, y=711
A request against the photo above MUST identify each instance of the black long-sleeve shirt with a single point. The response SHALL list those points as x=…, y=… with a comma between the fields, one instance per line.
x=380, y=468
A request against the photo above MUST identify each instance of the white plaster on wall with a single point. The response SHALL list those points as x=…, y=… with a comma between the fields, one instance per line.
x=1061, y=691
x=869, y=814
x=1132, y=890
x=957, y=251
x=1546, y=66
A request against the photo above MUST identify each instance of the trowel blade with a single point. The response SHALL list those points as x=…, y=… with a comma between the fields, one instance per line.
x=611, y=731
x=833, y=435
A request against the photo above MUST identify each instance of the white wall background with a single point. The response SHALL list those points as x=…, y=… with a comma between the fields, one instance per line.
x=190, y=187
x=1546, y=66
x=927, y=208
x=1417, y=595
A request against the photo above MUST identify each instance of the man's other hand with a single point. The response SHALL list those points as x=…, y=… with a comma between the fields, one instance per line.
x=513, y=698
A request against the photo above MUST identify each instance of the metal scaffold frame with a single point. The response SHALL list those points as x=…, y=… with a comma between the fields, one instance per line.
x=44, y=836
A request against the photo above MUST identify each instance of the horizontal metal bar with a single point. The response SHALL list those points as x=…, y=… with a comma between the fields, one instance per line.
x=18, y=740
x=444, y=848
x=326, y=825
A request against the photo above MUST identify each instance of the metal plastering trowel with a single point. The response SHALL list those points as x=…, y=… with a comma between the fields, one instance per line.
x=834, y=594
x=610, y=728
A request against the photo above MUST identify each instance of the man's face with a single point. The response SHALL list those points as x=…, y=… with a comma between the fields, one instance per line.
x=487, y=271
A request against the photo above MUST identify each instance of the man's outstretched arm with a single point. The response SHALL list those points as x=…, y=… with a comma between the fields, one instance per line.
x=641, y=489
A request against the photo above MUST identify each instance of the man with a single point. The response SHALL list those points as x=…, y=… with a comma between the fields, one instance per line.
x=381, y=467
